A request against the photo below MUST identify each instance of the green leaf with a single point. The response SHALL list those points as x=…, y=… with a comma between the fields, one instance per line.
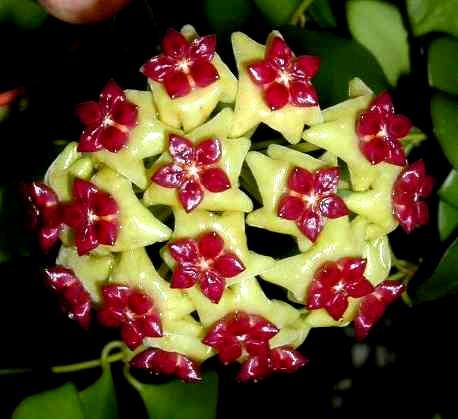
x=433, y=15
x=176, y=400
x=449, y=189
x=444, y=279
x=447, y=220
x=99, y=399
x=62, y=402
x=341, y=60
x=378, y=27
x=321, y=12
x=278, y=12
x=26, y=14
x=227, y=16
x=444, y=112
x=443, y=64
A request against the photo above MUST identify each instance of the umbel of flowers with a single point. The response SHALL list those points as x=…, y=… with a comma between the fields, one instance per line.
x=142, y=151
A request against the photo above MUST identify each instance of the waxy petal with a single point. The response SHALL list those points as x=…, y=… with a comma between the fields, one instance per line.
x=215, y=180
x=395, y=153
x=58, y=277
x=262, y=72
x=326, y=180
x=203, y=48
x=103, y=204
x=290, y=207
x=185, y=276
x=86, y=240
x=113, y=138
x=229, y=265
x=398, y=126
x=287, y=360
x=190, y=194
x=48, y=237
x=89, y=113
x=169, y=176
x=110, y=316
x=336, y=305
x=106, y=232
x=369, y=124
x=124, y=113
x=208, y=152
x=174, y=44
x=301, y=181
x=279, y=54
x=382, y=104
x=185, y=251
x=254, y=369
x=131, y=335
x=374, y=150
x=203, y=73
x=276, y=96
x=90, y=140
x=176, y=84
x=210, y=245
x=115, y=295
x=306, y=66
x=84, y=190
x=212, y=285
x=181, y=149
x=111, y=93
x=333, y=206
x=158, y=67
x=303, y=94
x=151, y=325
x=311, y=223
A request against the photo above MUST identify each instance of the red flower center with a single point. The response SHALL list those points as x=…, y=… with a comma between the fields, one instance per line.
x=193, y=169
x=238, y=333
x=43, y=213
x=75, y=300
x=204, y=261
x=107, y=122
x=93, y=216
x=409, y=190
x=374, y=305
x=334, y=282
x=285, y=78
x=183, y=65
x=131, y=310
x=158, y=361
x=379, y=130
x=310, y=198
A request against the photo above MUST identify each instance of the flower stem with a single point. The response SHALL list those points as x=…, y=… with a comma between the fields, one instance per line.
x=59, y=369
x=11, y=371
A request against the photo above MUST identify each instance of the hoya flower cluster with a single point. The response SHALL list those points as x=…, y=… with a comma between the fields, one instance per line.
x=181, y=146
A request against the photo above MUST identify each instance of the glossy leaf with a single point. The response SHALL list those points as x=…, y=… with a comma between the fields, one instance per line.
x=444, y=279
x=341, y=60
x=378, y=27
x=227, y=16
x=449, y=189
x=26, y=14
x=433, y=15
x=444, y=112
x=278, y=12
x=321, y=13
x=62, y=402
x=99, y=399
x=176, y=400
x=443, y=64
x=447, y=220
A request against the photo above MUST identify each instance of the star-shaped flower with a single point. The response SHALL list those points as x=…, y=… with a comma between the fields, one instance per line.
x=204, y=261
x=131, y=310
x=93, y=216
x=379, y=130
x=334, y=282
x=43, y=213
x=310, y=198
x=189, y=79
x=374, y=305
x=204, y=167
x=148, y=138
x=284, y=77
x=338, y=136
x=274, y=88
x=74, y=299
x=409, y=191
x=238, y=334
x=193, y=169
x=157, y=361
x=183, y=65
x=107, y=122
x=298, y=193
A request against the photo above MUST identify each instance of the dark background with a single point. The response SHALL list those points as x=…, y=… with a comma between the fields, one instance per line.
x=406, y=368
